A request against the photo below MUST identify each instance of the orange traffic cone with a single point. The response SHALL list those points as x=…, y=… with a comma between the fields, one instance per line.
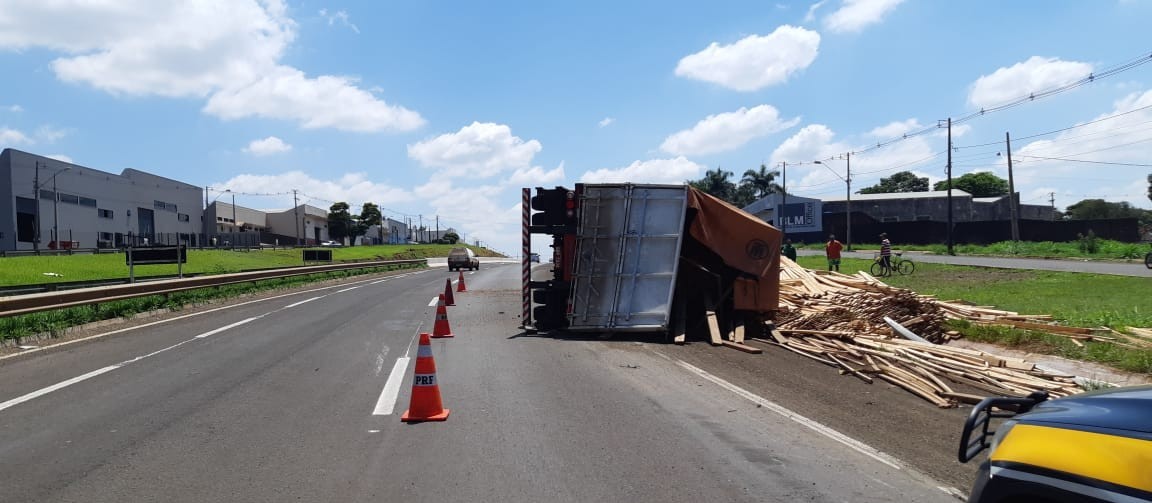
x=460, y=285
x=425, y=404
x=449, y=299
x=441, y=328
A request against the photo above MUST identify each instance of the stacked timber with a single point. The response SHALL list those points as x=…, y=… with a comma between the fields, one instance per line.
x=849, y=321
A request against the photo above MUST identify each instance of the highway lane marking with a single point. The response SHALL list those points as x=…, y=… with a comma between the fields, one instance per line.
x=347, y=289
x=181, y=317
x=818, y=427
x=305, y=301
x=63, y=384
x=435, y=300
x=386, y=404
x=226, y=327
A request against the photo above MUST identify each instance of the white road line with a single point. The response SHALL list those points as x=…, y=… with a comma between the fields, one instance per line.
x=347, y=289
x=226, y=327
x=387, y=401
x=435, y=300
x=63, y=384
x=305, y=301
x=852, y=443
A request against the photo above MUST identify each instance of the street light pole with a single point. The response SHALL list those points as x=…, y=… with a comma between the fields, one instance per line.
x=36, y=198
x=233, y=218
x=848, y=202
x=784, y=199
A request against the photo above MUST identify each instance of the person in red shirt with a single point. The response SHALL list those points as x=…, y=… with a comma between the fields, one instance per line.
x=832, y=249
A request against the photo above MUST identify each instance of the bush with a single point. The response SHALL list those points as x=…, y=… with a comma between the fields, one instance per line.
x=1088, y=244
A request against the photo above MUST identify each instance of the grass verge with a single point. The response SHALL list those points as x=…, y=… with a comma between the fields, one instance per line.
x=55, y=322
x=1075, y=299
x=16, y=271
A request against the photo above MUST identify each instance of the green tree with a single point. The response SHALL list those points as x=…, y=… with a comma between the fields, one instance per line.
x=745, y=194
x=981, y=184
x=370, y=215
x=761, y=182
x=1098, y=209
x=451, y=237
x=341, y=223
x=1150, y=186
x=717, y=182
x=904, y=181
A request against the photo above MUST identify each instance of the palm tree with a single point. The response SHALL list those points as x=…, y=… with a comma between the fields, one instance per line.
x=762, y=181
x=717, y=183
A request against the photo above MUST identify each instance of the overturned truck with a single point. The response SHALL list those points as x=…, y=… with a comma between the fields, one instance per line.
x=648, y=258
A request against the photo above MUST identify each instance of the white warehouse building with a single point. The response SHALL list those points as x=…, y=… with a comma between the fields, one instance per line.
x=83, y=207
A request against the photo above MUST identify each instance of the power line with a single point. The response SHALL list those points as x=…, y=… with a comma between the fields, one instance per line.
x=1088, y=161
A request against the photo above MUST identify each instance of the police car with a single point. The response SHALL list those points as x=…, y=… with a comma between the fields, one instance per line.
x=1091, y=447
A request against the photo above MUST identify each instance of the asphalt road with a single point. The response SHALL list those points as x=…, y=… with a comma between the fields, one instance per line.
x=1134, y=268
x=285, y=398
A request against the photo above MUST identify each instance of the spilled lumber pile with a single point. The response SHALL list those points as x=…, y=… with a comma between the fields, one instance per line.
x=850, y=322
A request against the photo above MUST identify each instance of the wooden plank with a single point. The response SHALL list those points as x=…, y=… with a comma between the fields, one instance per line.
x=963, y=397
x=679, y=318
x=742, y=347
x=738, y=329
x=713, y=327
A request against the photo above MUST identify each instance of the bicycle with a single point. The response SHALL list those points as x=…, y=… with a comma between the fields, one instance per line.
x=1148, y=260
x=899, y=264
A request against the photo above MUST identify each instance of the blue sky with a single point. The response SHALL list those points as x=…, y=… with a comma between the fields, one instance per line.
x=447, y=108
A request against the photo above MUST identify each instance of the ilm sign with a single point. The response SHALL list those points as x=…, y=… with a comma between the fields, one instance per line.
x=804, y=216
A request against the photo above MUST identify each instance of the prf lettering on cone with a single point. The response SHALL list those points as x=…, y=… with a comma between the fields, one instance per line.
x=441, y=328
x=460, y=285
x=449, y=298
x=425, y=404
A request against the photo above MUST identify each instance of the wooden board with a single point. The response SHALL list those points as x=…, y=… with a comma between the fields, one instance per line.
x=742, y=347
x=714, y=328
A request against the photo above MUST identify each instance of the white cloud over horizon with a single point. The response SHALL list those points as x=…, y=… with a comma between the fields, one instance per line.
x=267, y=146
x=478, y=150
x=855, y=15
x=754, y=62
x=225, y=51
x=9, y=136
x=673, y=171
x=727, y=131
x=1032, y=75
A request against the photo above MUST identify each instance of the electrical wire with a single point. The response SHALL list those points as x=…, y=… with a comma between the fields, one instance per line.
x=1089, y=161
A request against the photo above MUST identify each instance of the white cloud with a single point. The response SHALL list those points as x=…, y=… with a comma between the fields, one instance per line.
x=341, y=16
x=673, y=171
x=727, y=131
x=607, y=121
x=479, y=150
x=818, y=142
x=855, y=15
x=13, y=137
x=1123, y=139
x=353, y=188
x=324, y=102
x=755, y=61
x=15, y=108
x=1016, y=81
x=61, y=157
x=267, y=146
x=536, y=176
x=49, y=134
x=811, y=15
x=226, y=50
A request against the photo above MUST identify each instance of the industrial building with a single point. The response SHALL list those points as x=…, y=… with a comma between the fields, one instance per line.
x=52, y=204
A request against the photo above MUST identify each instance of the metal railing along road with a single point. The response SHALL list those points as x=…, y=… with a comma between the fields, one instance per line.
x=38, y=302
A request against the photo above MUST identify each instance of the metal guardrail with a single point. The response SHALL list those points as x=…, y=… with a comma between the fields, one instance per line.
x=38, y=302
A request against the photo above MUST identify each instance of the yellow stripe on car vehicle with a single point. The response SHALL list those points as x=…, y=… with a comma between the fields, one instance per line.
x=1119, y=460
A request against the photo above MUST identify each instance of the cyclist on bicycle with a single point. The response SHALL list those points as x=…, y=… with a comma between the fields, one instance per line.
x=886, y=252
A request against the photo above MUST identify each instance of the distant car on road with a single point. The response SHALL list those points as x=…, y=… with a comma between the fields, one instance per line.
x=331, y=244
x=462, y=258
x=535, y=257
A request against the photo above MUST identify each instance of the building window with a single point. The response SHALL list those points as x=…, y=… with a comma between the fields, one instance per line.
x=219, y=219
x=183, y=217
x=69, y=198
x=87, y=201
x=105, y=213
x=106, y=236
x=161, y=205
x=47, y=194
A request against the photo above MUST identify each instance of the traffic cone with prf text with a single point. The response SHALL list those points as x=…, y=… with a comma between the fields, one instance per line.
x=425, y=404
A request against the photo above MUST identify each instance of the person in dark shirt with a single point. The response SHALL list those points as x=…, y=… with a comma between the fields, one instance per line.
x=886, y=253
x=788, y=250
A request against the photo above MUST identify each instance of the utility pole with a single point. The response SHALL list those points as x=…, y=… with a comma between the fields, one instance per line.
x=1052, y=202
x=848, y=206
x=296, y=216
x=55, y=212
x=233, y=219
x=36, y=197
x=437, y=226
x=950, y=250
x=1012, y=190
x=784, y=200
x=420, y=231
